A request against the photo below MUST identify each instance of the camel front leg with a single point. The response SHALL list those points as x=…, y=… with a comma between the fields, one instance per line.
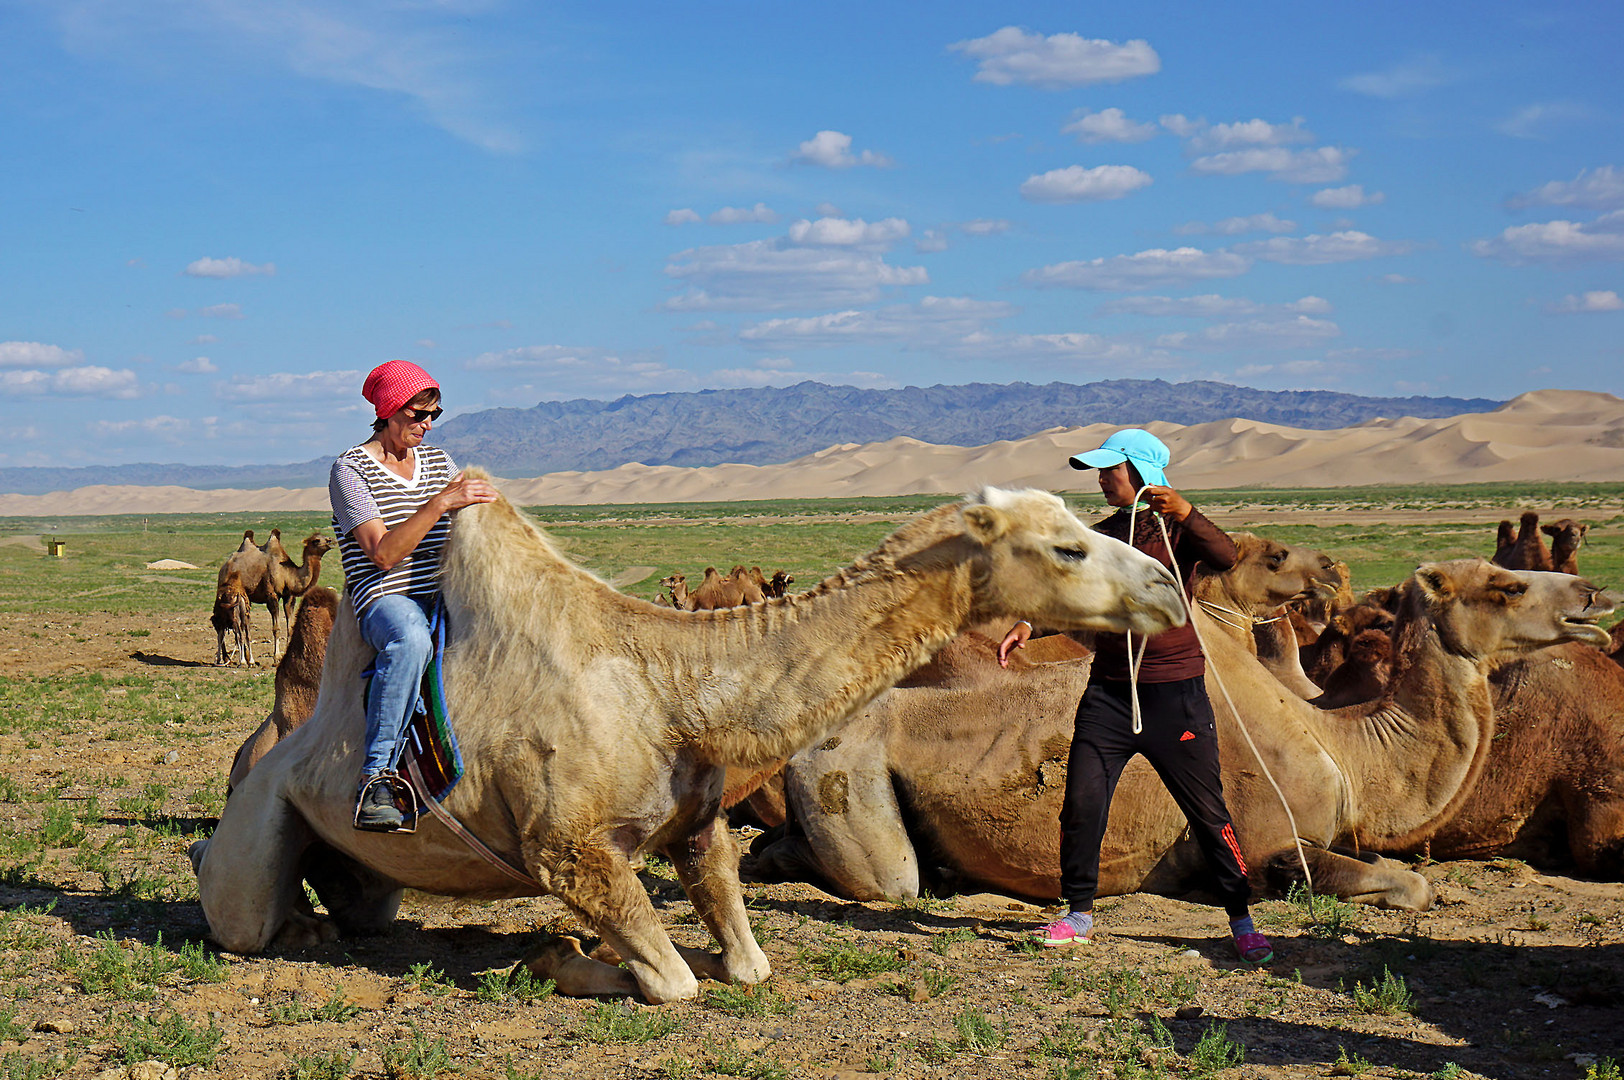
x=1366, y=878
x=707, y=864
x=598, y=885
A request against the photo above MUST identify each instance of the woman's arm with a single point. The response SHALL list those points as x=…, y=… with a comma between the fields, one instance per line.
x=387, y=547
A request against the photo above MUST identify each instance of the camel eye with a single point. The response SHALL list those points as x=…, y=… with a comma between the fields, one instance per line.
x=1514, y=589
x=1071, y=554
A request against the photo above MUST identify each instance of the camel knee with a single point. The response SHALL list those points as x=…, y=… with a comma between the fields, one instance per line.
x=574, y=974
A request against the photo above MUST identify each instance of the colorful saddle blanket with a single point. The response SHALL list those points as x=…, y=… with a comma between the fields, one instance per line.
x=429, y=741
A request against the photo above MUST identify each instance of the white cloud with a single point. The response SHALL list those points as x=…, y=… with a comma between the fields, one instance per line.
x=1107, y=125
x=1345, y=198
x=227, y=268
x=221, y=311
x=16, y=354
x=1209, y=306
x=685, y=216
x=87, y=381
x=769, y=275
x=1295, y=333
x=1144, y=270
x=1592, y=189
x=828, y=209
x=1100, y=352
x=417, y=52
x=569, y=369
x=198, y=365
x=1243, y=134
x=1182, y=125
x=1235, y=226
x=1397, y=279
x=1014, y=55
x=1408, y=79
x=1585, y=303
x=1078, y=184
x=1536, y=121
x=204, y=339
x=427, y=343
x=848, y=232
x=933, y=319
x=984, y=227
x=168, y=428
x=930, y=241
x=1557, y=242
x=832, y=150
x=759, y=214
x=292, y=386
x=1291, y=367
x=1321, y=165
x=1317, y=250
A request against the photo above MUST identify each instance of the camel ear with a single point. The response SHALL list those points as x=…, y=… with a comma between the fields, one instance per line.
x=1435, y=582
x=985, y=524
x=1549, y=530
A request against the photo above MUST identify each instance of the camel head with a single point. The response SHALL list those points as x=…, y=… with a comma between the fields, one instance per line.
x=1567, y=537
x=1488, y=612
x=671, y=581
x=1268, y=573
x=1040, y=562
x=316, y=544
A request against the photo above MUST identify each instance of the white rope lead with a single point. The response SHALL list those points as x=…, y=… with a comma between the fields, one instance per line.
x=1133, y=681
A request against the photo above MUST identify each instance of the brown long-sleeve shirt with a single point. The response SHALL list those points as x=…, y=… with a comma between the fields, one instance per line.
x=1172, y=655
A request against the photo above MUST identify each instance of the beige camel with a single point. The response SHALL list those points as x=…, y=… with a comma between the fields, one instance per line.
x=596, y=726
x=298, y=678
x=274, y=579
x=974, y=777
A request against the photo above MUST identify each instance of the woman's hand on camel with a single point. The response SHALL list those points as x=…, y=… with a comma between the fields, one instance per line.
x=464, y=491
x=1164, y=500
x=1017, y=637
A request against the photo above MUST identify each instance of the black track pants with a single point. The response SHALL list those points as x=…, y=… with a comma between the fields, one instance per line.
x=1180, y=742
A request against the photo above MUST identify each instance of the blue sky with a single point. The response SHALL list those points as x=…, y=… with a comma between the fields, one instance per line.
x=217, y=215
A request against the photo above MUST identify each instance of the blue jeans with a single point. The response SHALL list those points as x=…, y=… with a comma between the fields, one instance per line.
x=398, y=627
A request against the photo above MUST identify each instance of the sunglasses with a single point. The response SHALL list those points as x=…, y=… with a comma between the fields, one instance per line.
x=417, y=416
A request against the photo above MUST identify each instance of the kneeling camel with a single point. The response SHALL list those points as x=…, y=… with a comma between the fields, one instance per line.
x=596, y=727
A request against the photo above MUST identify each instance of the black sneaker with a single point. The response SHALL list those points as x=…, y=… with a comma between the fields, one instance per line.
x=376, y=811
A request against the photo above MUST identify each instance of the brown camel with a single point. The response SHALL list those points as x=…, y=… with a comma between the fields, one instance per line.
x=298, y=678
x=1567, y=537
x=1330, y=650
x=1526, y=550
x=779, y=583
x=678, y=584
x=1552, y=790
x=247, y=541
x=1363, y=675
x=716, y=591
x=232, y=610
x=596, y=726
x=750, y=585
x=275, y=580
x=974, y=777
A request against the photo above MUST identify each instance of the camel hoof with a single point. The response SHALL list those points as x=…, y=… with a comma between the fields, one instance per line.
x=303, y=932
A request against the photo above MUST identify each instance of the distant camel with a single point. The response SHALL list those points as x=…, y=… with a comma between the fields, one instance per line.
x=1526, y=551
x=231, y=612
x=273, y=579
x=1567, y=537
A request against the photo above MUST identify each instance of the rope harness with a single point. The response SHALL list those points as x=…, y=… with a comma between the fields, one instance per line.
x=1133, y=682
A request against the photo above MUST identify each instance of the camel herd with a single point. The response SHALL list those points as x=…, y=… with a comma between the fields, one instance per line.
x=261, y=574
x=1471, y=710
x=717, y=590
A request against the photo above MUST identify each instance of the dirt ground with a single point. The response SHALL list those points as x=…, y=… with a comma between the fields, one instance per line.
x=1514, y=973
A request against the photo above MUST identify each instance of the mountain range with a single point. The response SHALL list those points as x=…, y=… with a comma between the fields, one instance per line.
x=771, y=425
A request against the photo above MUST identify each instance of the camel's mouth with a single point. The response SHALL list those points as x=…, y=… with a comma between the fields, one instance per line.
x=1583, y=628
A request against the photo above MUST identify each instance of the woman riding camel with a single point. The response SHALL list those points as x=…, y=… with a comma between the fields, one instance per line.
x=1174, y=724
x=393, y=499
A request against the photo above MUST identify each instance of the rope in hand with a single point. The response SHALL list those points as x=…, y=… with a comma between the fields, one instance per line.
x=1133, y=682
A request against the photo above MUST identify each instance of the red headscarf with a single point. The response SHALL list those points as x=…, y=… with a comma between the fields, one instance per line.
x=390, y=385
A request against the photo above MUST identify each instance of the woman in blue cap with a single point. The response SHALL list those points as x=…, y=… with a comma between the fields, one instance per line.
x=1174, y=728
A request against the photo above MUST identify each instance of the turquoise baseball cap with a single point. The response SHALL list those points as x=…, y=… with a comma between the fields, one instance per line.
x=1148, y=454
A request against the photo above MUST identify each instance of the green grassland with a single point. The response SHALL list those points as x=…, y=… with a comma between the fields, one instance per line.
x=105, y=564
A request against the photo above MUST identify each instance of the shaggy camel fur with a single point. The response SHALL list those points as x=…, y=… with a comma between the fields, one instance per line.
x=1330, y=650
x=298, y=677
x=1615, y=644
x=247, y=541
x=595, y=727
x=232, y=611
x=275, y=580
x=1363, y=675
x=974, y=777
x=1526, y=551
x=750, y=585
x=1552, y=791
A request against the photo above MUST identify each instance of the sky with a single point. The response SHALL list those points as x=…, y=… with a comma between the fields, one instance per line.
x=217, y=215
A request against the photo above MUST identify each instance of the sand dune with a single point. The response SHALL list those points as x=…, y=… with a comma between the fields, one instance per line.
x=1543, y=435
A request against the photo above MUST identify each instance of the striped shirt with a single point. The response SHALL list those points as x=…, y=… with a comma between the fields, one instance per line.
x=361, y=489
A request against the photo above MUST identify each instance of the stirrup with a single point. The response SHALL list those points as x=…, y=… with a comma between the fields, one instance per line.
x=397, y=785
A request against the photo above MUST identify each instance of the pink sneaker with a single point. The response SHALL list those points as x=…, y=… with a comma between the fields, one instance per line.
x=1254, y=948
x=1061, y=933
